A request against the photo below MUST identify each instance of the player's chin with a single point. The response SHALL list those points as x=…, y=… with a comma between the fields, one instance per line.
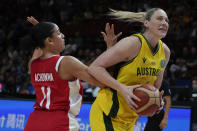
x=163, y=34
x=63, y=45
x=62, y=48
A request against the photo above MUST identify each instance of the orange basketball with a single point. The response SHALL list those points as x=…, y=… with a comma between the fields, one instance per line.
x=150, y=100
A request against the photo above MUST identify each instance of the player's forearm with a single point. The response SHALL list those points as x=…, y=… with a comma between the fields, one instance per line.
x=38, y=52
x=167, y=106
x=90, y=79
x=103, y=76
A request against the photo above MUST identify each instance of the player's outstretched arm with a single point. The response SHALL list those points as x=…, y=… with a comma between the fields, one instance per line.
x=36, y=54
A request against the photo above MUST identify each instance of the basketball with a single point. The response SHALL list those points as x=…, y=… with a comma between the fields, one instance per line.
x=150, y=100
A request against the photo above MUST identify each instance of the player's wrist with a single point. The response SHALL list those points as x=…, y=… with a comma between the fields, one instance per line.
x=120, y=88
x=165, y=118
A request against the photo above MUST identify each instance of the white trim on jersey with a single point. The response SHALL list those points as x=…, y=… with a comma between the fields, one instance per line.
x=73, y=123
x=58, y=62
x=74, y=97
x=75, y=104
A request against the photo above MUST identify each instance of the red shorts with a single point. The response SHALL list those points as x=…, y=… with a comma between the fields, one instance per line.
x=47, y=121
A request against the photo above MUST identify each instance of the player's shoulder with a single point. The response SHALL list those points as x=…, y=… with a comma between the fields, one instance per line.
x=69, y=60
x=166, y=48
x=131, y=41
x=127, y=45
x=135, y=39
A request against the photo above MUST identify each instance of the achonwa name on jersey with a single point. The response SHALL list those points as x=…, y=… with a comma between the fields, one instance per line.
x=40, y=77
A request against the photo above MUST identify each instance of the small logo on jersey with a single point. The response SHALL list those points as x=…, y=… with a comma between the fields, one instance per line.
x=163, y=63
x=153, y=63
x=144, y=60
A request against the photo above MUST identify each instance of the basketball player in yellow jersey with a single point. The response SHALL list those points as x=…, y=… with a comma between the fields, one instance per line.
x=144, y=57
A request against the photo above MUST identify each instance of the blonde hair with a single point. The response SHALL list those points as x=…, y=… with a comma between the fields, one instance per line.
x=132, y=16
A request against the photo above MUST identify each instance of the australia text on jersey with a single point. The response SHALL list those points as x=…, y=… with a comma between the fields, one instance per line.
x=147, y=71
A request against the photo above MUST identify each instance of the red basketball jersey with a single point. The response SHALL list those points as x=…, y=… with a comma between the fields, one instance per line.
x=53, y=93
x=57, y=101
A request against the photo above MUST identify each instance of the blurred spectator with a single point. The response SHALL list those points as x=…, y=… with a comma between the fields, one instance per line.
x=178, y=69
x=192, y=62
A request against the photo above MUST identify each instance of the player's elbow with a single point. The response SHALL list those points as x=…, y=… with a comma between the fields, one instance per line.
x=93, y=69
x=90, y=69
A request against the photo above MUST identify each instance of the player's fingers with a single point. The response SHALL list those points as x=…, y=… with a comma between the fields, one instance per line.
x=132, y=107
x=32, y=20
x=136, y=98
x=107, y=28
x=133, y=104
x=135, y=86
x=161, y=93
x=162, y=126
x=162, y=104
x=118, y=35
x=103, y=34
x=112, y=29
x=28, y=18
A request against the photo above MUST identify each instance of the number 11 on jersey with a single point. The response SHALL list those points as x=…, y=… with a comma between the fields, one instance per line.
x=46, y=97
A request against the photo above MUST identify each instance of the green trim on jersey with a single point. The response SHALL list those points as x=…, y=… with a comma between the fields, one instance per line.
x=115, y=106
x=108, y=123
x=155, y=50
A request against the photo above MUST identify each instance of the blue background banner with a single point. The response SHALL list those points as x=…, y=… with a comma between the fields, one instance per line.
x=14, y=115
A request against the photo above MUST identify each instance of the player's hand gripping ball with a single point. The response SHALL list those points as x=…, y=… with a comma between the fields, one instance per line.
x=150, y=100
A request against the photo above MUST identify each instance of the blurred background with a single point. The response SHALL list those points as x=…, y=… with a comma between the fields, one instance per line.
x=81, y=21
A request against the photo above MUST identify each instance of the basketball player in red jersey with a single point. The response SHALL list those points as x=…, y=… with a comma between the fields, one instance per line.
x=56, y=81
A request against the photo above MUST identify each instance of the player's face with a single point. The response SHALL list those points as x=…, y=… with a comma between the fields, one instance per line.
x=58, y=39
x=158, y=24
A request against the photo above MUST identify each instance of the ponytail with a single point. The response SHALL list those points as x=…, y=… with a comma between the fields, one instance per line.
x=132, y=16
x=128, y=16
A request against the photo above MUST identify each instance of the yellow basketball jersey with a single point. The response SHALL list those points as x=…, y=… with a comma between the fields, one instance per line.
x=144, y=68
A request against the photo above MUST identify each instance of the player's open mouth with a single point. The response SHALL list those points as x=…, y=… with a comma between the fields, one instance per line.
x=163, y=29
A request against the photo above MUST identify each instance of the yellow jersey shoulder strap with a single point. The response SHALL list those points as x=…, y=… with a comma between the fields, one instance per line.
x=144, y=42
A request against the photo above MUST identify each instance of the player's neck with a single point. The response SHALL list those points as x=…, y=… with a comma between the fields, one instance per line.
x=152, y=40
x=47, y=55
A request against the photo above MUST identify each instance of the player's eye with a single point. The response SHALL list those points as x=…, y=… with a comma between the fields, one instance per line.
x=167, y=20
x=160, y=18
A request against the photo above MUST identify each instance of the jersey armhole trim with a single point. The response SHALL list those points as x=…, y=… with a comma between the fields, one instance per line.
x=58, y=62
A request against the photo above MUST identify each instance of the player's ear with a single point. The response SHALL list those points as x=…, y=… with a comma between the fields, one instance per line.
x=146, y=23
x=48, y=40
